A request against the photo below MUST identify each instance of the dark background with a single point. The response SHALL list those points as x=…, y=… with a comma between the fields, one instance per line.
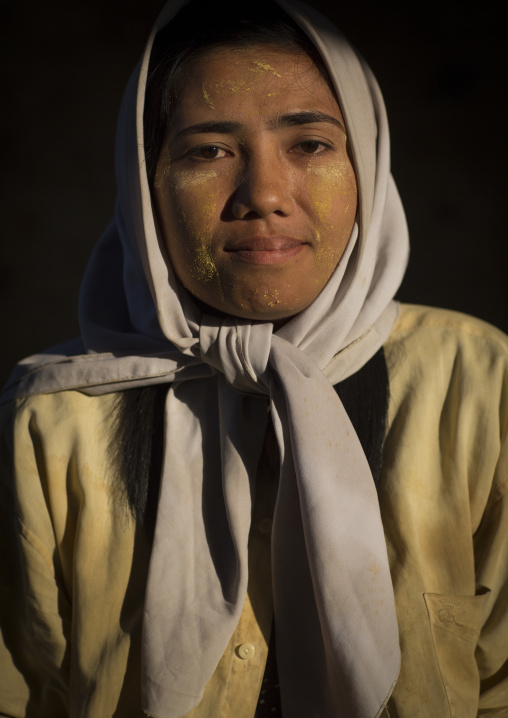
x=443, y=72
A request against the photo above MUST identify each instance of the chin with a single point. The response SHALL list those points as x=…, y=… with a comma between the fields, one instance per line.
x=264, y=309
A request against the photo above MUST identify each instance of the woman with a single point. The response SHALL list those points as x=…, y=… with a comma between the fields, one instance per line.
x=239, y=346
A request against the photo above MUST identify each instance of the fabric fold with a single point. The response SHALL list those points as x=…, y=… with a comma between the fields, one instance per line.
x=344, y=589
x=204, y=508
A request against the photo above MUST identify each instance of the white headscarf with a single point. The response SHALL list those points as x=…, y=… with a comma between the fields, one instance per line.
x=139, y=326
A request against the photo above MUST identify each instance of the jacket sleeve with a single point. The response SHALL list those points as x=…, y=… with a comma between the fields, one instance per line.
x=491, y=544
x=34, y=608
x=491, y=558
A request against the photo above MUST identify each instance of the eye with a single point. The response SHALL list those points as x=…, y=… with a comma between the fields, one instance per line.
x=312, y=147
x=208, y=152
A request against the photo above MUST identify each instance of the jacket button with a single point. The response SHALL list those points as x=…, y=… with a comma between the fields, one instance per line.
x=245, y=651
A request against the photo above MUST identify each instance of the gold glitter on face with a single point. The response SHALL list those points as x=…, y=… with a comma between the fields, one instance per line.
x=259, y=68
x=328, y=184
x=206, y=97
x=272, y=297
x=258, y=200
x=182, y=180
x=203, y=266
x=267, y=67
x=200, y=226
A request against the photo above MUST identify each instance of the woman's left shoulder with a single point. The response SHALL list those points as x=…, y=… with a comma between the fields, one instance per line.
x=448, y=376
x=422, y=322
x=437, y=343
x=444, y=502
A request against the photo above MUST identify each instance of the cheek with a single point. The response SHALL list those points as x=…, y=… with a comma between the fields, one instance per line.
x=195, y=210
x=333, y=195
x=332, y=190
x=191, y=212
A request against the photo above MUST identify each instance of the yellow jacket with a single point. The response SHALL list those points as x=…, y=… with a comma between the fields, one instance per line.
x=73, y=563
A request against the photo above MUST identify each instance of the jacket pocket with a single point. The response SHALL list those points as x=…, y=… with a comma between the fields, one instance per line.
x=455, y=623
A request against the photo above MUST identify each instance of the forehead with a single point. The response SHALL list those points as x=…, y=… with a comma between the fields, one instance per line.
x=254, y=79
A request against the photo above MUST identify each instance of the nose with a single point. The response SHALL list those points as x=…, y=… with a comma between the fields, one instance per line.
x=264, y=189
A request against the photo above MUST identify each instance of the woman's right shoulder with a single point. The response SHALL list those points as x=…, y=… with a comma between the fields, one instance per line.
x=56, y=459
x=47, y=440
x=64, y=411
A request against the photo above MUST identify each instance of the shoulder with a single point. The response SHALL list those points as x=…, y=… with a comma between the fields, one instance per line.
x=54, y=446
x=448, y=377
x=432, y=342
x=420, y=322
x=58, y=475
x=51, y=438
x=64, y=414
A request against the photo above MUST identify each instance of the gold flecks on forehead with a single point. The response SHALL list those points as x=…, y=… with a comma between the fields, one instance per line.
x=206, y=97
x=265, y=66
x=243, y=86
x=238, y=86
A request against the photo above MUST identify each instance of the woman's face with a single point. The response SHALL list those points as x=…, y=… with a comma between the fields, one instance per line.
x=255, y=193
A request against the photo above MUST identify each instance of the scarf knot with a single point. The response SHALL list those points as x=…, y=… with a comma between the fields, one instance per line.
x=239, y=351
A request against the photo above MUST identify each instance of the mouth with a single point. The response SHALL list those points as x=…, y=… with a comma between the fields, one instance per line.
x=266, y=250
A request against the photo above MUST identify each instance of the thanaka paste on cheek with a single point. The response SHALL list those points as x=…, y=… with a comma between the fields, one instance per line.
x=200, y=228
x=192, y=178
x=328, y=185
x=202, y=264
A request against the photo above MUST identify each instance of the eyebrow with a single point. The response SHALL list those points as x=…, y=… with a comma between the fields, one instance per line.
x=303, y=118
x=292, y=119
x=220, y=128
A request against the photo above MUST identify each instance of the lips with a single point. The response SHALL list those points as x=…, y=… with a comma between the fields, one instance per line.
x=266, y=249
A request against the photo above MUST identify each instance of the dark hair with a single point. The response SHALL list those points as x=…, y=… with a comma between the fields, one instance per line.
x=195, y=30
x=136, y=449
